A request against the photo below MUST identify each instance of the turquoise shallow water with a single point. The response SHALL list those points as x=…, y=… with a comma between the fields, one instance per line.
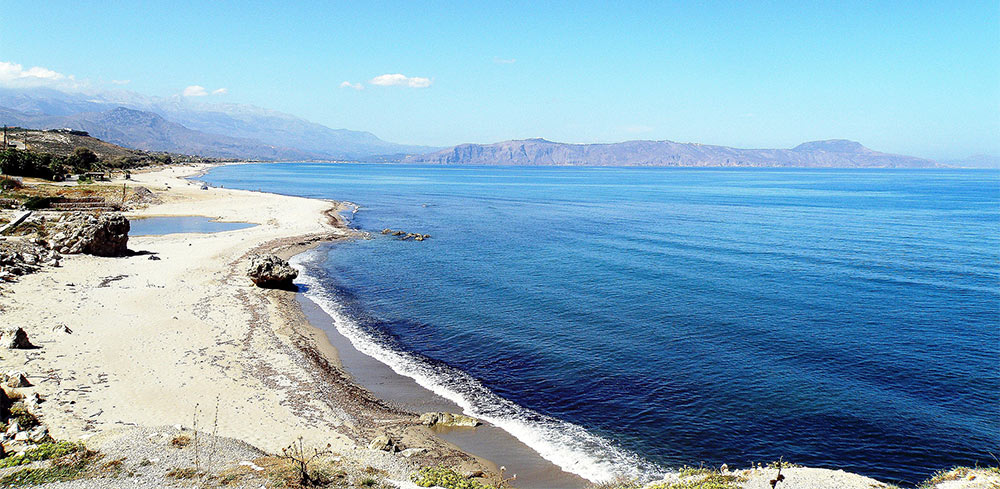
x=149, y=226
x=623, y=320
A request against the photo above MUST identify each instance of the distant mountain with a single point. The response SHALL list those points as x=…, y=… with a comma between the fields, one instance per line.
x=148, y=131
x=243, y=131
x=831, y=153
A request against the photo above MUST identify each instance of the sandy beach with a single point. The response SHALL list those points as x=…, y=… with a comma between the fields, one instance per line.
x=187, y=339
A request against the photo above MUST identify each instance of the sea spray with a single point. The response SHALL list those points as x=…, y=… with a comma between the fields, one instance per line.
x=567, y=445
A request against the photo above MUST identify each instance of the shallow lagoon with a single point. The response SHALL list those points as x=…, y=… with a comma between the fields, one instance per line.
x=155, y=226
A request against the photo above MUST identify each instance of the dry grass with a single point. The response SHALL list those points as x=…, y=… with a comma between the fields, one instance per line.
x=180, y=441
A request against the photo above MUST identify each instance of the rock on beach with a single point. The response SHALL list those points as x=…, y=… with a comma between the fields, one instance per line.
x=270, y=272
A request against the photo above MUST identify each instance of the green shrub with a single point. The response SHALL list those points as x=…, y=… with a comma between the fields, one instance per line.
x=712, y=481
x=444, y=477
x=44, y=451
x=70, y=466
x=9, y=183
x=25, y=420
x=35, y=202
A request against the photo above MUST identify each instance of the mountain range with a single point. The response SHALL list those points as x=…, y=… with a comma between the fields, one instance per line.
x=830, y=153
x=177, y=125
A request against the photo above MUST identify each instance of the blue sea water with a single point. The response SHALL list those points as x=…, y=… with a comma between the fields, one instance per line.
x=624, y=320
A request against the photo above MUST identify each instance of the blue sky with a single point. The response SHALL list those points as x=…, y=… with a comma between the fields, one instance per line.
x=920, y=78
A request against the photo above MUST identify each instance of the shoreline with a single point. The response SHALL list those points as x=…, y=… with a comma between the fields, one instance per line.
x=165, y=342
x=487, y=440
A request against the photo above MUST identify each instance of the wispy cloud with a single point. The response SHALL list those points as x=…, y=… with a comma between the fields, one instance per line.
x=121, y=82
x=15, y=75
x=400, y=80
x=356, y=86
x=200, y=91
x=195, y=91
x=504, y=61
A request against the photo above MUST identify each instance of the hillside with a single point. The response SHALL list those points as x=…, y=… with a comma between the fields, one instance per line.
x=530, y=152
x=60, y=142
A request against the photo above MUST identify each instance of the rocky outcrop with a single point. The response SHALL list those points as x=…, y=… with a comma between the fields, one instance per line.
x=15, y=339
x=448, y=419
x=104, y=235
x=270, y=272
x=403, y=235
x=15, y=379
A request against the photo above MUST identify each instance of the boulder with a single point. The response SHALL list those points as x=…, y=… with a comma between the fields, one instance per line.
x=5, y=403
x=39, y=434
x=15, y=339
x=271, y=272
x=15, y=379
x=384, y=443
x=448, y=419
x=100, y=235
x=412, y=452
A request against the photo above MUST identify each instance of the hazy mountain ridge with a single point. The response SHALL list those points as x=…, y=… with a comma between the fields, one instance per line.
x=529, y=152
x=220, y=130
x=148, y=131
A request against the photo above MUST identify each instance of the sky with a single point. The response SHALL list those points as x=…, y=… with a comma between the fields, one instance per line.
x=919, y=78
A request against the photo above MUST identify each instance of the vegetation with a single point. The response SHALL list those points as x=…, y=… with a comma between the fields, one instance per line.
x=955, y=473
x=710, y=481
x=48, y=166
x=44, y=451
x=25, y=420
x=9, y=184
x=444, y=477
x=70, y=467
x=307, y=475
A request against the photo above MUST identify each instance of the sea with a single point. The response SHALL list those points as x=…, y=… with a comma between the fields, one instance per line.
x=625, y=321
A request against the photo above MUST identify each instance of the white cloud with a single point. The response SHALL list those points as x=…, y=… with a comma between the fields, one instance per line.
x=397, y=79
x=356, y=86
x=195, y=91
x=504, y=61
x=14, y=75
x=200, y=91
x=121, y=82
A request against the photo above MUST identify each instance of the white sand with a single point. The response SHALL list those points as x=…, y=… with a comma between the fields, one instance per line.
x=184, y=331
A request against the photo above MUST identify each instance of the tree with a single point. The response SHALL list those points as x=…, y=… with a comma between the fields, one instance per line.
x=83, y=159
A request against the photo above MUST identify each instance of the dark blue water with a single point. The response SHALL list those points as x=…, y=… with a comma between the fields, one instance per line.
x=623, y=320
x=149, y=226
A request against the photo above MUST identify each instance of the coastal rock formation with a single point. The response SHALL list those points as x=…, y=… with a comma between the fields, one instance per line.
x=448, y=419
x=15, y=379
x=270, y=272
x=19, y=256
x=15, y=339
x=403, y=235
x=105, y=235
